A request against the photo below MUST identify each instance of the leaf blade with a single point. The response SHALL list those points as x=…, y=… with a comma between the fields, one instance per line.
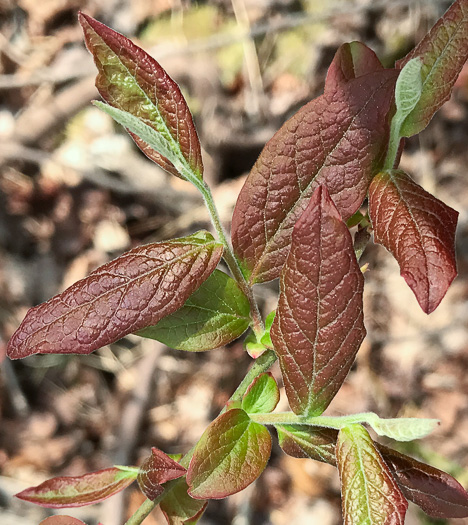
x=318, y=326
x=419, y=230
x=181, y=509
x=77, y=491
x=230, y=455
x=262, y=395
x=444, y=50
x=369, y=492
x=336, y=140
x=131, y=80
x=135, y=290
x=155, y=470
x=214, y=315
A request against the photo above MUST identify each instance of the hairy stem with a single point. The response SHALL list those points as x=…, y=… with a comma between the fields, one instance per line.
x=230, y=258
x=261, y=365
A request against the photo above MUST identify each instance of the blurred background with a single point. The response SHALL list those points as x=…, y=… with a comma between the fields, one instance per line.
x=75, y=192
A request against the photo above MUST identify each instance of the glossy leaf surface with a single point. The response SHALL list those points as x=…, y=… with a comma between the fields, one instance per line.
x=352, y=60
x=436, y=492
x=132, y=81
x=156, y=469
x=181, y=509
x=61, y=520
x=262, y=395
x=318, y=326
x=78, y=491
x=335, y=140
x=135, y=290
x=369, y=494
x=301, y=441
x=231, y=454
x=419, y=230
x=213, y=316
x=444, y=51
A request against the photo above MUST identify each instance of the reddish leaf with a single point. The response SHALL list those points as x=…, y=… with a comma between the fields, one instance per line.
x=419, y=230
x=158, y=468
x=300, y=441
x=131, y=80
x=436, y=492
x=352, y=60
x=231, y=454
x=369, y=494
x=444, y=50
x=78, y=491
x=335, y=140
x=179, y=508
x=318, y=326
x=134, y=291
x=61, y=520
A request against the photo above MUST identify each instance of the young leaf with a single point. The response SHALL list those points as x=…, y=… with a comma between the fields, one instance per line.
x=156, y=469
x=135, y=290
x=352, y=60
x=419, y=230
x=231, y=454
x=262, y=396
x=436, y=492
x=213, y=316
x=61, y=520
x=404, y=428
x=78, y=491
x=336, y=140
x=443, y=51
x=369, y=494
x=132, y=81
x=301, y=441
x=179, y=508
x=318, y=326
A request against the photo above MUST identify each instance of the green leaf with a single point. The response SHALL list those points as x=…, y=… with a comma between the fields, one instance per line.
x=216, y=314
x=443, y=51
x=77, y=491
x=179, y=508
x=369, y=494
x=262, y=395
x=408, y=89
x=404, y=429
x=133, y=82
x=231, y=454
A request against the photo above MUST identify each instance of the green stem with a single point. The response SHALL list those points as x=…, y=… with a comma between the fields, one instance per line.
x=289, y=418
x=230, y=258
x=393, y=144
x=261, y=365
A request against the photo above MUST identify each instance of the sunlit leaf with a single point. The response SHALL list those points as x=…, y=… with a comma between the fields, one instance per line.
x=231, y=454
x=131, y=80
x=78, y=491
x=436, y=492
x=443, y=51
x=318, y=326
x=403, y=428
x=369, y=494
x=419, y=230
x=336, y=140
x=134, y=291
x=181, y=509
x=262, y=396
x=213, y=316
x=156, y=469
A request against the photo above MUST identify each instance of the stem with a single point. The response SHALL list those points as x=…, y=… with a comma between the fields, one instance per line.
x=230, y=258
x=261, y=365
x=393, y=144
x=289, y=418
